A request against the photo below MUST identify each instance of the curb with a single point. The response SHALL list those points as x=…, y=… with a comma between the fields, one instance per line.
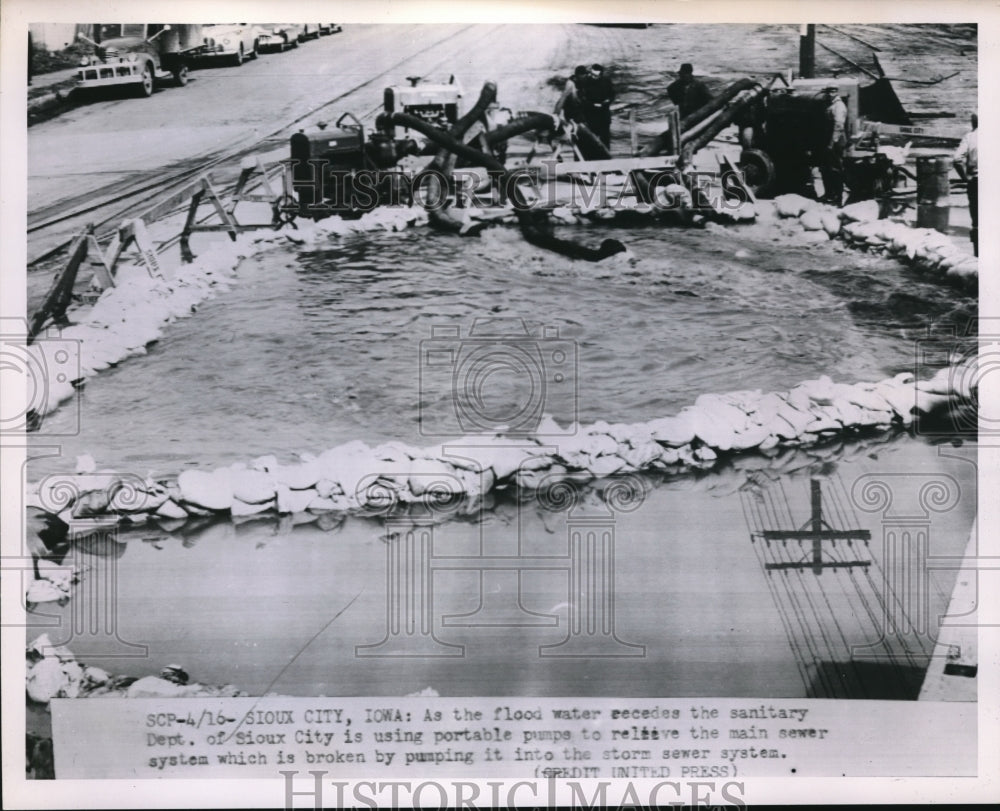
x=48, y=101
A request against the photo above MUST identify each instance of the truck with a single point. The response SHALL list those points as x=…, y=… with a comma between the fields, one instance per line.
x=138, y=55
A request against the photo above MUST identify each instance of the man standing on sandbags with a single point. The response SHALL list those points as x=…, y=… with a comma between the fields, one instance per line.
x=598, y=93
x=967, y=166
x=832, y=158
x=688, y=93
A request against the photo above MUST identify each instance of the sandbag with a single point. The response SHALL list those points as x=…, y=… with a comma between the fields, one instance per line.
x=831, y=223
x=812, y=220
x=790, y=205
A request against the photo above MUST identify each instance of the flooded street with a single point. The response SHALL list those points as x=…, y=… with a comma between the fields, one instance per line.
x=258, y=603
x=314, y=348
x=365, y=336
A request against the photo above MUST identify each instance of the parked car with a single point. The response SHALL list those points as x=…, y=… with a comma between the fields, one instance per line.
x=329, y=28
x=232, y=42
x=279, y=36
x=310, y=31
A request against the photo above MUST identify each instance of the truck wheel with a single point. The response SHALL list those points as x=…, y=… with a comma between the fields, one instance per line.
x=181, y=76
x=253, y=53
x=758, y=171
x=146, y=85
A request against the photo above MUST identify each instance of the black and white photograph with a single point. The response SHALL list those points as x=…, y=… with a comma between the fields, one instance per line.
x=581, y=395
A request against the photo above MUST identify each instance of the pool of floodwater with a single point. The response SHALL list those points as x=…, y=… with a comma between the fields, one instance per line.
x=378, y=337
x=672, y=600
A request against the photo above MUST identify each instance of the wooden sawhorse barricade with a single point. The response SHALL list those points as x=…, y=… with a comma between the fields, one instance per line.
x=133, y=234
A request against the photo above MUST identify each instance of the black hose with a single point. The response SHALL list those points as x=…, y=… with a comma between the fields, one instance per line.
x=717, y=103
x=663, y=140
x=444, y=161
x=535, y=225
x=524, y=123
x=486, y=97
x=727, y=116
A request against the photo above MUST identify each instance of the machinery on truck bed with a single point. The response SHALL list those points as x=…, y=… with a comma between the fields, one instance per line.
x=787, y=129
x=783, y=127
x=785, y=132
x=138, y=55
x=348, y=169
x=437, y=104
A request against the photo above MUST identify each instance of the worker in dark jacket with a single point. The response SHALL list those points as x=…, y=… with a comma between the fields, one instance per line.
x=571, y=103
x=598, y=93
x=688, y=93
x=832, y=155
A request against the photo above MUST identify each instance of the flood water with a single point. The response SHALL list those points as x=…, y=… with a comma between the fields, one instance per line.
x=374, y=336
x=315, y=348
x=685, y=606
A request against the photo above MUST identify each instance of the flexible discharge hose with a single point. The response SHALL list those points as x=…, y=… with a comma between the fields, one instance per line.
x=689, y=122
x=535, y=225
x=444, y=161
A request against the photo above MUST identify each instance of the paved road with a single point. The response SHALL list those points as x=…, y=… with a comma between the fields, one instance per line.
x=97, y=151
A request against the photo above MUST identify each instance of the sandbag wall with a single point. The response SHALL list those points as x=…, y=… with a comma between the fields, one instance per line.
x=858, y=225
x=354, y=476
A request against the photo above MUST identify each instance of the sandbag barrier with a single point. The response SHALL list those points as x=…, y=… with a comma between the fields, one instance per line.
x=354, y=476
x=53, y=672
x=858, y=225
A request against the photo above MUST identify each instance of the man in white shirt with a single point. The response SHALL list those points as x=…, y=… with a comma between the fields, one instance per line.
x=967, y=166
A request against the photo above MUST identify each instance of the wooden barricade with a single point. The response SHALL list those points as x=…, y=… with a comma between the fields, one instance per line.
x=133, y=234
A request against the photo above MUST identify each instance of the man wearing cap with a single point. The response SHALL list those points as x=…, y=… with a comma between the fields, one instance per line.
x=832, y=156
x=967, y=166
x=598, y=93
x=688, y=93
